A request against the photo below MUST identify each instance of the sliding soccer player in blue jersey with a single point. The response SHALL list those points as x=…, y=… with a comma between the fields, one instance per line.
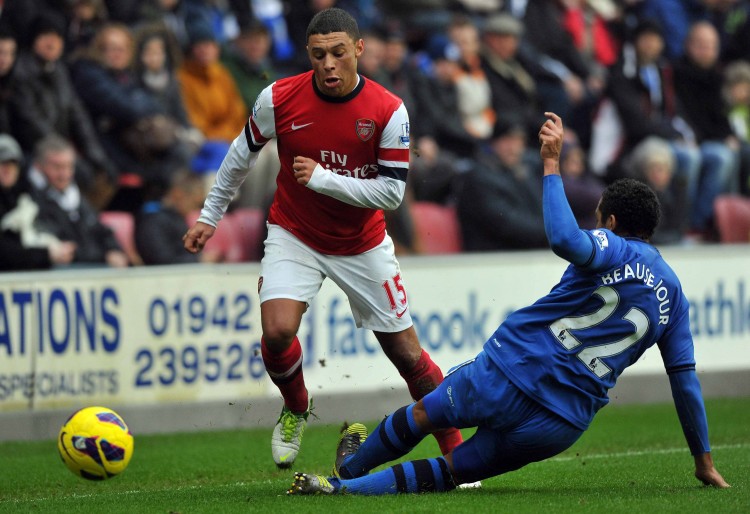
x=545, y=372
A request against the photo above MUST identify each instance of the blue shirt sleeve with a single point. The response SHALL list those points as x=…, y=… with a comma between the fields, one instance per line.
x=686, y=392
x=565, y=238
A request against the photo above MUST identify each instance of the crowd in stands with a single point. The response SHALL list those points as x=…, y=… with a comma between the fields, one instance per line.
x=130, y=107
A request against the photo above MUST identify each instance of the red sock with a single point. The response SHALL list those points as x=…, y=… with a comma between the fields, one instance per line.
x=285, y=370
x=421, y=379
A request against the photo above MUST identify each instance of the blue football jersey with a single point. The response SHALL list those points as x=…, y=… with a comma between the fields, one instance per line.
x=568, y=348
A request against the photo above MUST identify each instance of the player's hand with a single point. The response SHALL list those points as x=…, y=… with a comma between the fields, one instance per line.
x=707, y=473
x=197, y=236
x=303, y=169
x=551, y=137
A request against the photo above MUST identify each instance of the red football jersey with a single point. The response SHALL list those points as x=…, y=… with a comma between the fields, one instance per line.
x=359, y=135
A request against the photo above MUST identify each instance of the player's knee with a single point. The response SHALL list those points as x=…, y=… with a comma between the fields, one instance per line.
x=277, y=336
x=420, y=418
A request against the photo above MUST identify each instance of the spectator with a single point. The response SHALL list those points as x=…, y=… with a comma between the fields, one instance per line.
x=8, y=49
x=652, y=162
x=698, y=82
x=161, y=223
x=736, y=91
x=370, y=64
x=514, y=77
x=500, y=206
x=46, y=102
x=64, y=212
x=397, y=67
x=587, y=23
x=437, y=104
x=134, y=126
x=581, y=79
x=158, y=58
x=86, y=17
x=591, y=27
x=474, y=93
x=212, y=100
x=24, y=246
x=248, y=59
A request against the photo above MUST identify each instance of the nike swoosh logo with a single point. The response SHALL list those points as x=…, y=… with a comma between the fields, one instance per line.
x=283, y=458
x=297, y=127
x=399, y=314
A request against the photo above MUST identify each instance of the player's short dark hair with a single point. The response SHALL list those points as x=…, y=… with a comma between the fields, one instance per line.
x=635, y=206
x=333, y=20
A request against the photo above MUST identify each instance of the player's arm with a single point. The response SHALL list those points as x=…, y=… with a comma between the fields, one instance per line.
x=241, y=157
x=239, y=160
x=565, y=238
x=686, y=392
x=386, y=191
x=677, y=352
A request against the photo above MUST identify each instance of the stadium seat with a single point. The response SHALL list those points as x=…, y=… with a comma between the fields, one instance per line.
x=122, y=224
x=225, y=240
x=437, y=228
x=732, y=216
x=249, y=223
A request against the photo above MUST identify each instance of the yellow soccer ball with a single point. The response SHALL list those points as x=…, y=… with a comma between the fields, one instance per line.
x=95, y=443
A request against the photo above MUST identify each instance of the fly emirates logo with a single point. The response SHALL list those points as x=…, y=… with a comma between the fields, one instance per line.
x=337, y=163
x=642, y=272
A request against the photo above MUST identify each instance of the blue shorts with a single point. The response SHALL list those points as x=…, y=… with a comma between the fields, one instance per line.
x=512, y=429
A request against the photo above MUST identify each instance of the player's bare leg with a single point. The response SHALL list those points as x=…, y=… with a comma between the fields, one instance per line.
x=282, y=356
x=420, y=373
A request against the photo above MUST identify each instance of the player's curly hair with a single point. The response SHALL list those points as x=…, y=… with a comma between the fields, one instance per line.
x=635, y=206
x=333, y=20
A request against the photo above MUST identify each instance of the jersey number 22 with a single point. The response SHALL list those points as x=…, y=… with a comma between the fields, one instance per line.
x=592, y=356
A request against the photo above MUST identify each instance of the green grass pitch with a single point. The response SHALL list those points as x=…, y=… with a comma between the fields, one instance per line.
x=632, y=459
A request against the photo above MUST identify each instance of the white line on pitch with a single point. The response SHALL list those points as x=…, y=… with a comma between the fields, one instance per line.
x=640, y=453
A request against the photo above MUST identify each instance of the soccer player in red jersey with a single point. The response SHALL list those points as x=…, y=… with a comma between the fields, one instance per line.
x=343, y=143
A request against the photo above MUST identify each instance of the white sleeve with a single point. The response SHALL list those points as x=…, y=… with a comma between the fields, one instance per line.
x=386, y=191
x=232, y=172
x=240, y=159
x=378, y=193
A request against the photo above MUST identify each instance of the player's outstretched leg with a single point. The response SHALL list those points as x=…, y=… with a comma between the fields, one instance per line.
x=417, y=476
x=352, y=437
x=394, y=437
x=421, y=379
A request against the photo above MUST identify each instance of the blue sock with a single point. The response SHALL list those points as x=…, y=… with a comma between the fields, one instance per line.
x=393, y=438
x=416, y=476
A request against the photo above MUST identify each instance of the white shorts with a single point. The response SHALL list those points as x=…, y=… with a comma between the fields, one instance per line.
x=371, y=280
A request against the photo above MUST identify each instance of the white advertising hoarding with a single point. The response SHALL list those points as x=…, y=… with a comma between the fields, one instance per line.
x=192, y=333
